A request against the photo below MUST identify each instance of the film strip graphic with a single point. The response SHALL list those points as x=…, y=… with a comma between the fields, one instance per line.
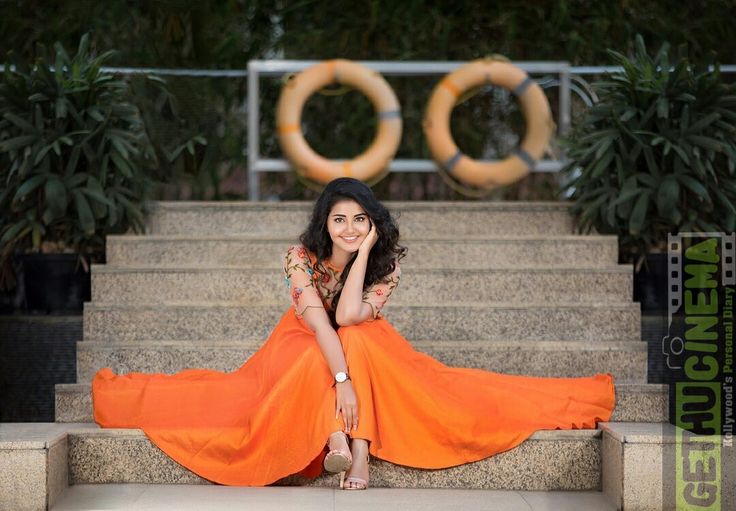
x=700, y=463
x=675, y=345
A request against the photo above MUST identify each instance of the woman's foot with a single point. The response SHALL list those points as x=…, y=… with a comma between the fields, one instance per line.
x=339, y=458
x=357, y=477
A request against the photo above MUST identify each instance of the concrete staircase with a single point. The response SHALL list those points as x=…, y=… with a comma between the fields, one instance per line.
x=499, y=286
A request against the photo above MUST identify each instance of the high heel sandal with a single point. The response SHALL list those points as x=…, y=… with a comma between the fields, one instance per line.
x=358, y=482
x=338, y=460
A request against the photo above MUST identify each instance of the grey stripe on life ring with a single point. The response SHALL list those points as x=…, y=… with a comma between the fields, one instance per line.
x=526, y=158
x=519, y=89
x=452, y=161
x=389, y=114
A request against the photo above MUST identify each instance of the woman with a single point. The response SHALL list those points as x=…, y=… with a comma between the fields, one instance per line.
x=335, y=372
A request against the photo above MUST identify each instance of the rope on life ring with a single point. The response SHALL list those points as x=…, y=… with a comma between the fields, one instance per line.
x=366, y=166
x=534, y=105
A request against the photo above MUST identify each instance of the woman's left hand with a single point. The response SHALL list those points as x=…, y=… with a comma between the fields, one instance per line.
x=370, y=239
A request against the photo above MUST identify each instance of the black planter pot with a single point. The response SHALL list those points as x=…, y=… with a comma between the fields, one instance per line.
x=650, y=285
x=55, y=283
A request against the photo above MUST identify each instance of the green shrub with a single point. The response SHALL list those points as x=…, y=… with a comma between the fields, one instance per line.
x=74, y=156
x=656, y=154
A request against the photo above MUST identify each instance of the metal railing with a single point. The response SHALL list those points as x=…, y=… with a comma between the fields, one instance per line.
x=277, y=68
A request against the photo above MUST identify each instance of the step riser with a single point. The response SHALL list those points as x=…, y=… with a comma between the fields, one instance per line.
x=75, y=405
x=491, y=254
x=624, y=365
x=577, y=464
x=432, y=221
x=416, y=287
x=242, y=323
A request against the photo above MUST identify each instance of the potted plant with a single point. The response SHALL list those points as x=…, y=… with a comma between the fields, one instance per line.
x=655, y=155
x=74, y=159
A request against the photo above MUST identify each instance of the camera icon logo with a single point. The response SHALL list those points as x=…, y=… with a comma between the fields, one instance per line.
x=672, y=348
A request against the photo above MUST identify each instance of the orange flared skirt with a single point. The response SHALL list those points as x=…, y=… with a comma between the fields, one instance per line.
x=271, y=418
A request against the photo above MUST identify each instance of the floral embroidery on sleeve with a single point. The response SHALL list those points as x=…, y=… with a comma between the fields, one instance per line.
x=377, y=295
x=299, y=277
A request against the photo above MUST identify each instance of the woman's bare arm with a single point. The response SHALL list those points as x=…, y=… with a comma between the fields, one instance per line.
x=328, y=340
x=351, y=309
x=329, y=343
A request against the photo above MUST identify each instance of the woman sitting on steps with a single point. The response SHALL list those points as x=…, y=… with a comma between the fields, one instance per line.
x=334, y=371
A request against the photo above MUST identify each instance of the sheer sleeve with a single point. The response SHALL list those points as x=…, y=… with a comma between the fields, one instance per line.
x=377, y=295
x=299, y=280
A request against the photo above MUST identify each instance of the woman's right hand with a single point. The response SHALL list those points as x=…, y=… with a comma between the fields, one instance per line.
x=371, y=238
x=347, y=403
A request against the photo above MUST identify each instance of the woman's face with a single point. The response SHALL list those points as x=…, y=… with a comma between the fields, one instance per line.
x=348, y=225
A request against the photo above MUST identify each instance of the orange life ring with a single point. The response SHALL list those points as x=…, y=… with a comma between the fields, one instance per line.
x=288, y=120
x=534, y=105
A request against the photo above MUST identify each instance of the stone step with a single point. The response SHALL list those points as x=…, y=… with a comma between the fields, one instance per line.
x=417, y=287
x=164, y=497
x=33, y=464
x=639, y=467
x=548, y=460
x=626, y=360
x=417, y=218
x=445, y=321
x=484, y=252
x=635, y=402
x=631, y=463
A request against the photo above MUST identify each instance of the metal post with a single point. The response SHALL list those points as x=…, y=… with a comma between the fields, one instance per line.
x=253, y=132
x=564, y=114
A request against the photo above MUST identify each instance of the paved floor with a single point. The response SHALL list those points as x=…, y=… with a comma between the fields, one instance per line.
x=142, y=497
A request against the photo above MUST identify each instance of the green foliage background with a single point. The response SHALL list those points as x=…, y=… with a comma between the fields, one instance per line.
x=226, y=34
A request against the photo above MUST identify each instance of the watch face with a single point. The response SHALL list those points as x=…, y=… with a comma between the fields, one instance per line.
x=341, y=377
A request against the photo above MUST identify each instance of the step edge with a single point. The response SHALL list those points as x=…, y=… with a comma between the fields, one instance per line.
x=618, y=269
x=393, y=206
x=633, y=306
x=138, y=434
x=627, y=387
x=577, y=238
x=574, y=345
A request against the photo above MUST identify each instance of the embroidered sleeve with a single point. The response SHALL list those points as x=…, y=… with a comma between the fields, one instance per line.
x=377, y=294
x=298, y=274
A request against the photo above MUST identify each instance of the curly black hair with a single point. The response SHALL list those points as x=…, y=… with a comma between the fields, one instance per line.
x=384, y=254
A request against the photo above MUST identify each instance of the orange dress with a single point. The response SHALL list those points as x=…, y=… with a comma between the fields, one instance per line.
x=272, y=417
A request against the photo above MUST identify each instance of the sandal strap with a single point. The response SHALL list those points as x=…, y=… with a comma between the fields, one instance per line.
x=333, y=452
x=345, y=452
x=358, y=480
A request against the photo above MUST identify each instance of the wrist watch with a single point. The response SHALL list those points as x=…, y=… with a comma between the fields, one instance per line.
x=341, y=377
